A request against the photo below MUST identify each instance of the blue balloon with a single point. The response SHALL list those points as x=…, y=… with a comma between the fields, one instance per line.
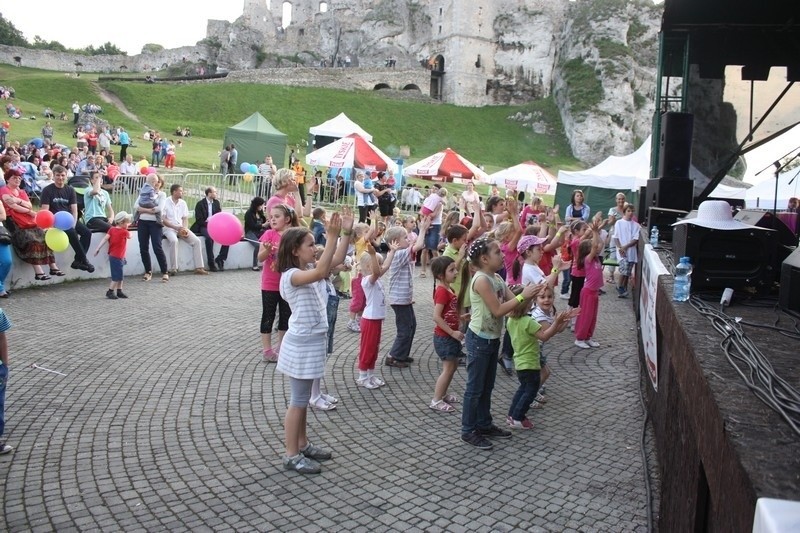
x=37, y=142
x=64, y=220
x=253, y=169
x=244, y=167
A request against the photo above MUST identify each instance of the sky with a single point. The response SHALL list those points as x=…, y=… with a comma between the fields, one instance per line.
x=129, y=24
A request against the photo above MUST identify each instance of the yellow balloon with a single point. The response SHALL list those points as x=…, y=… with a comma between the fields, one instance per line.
x=141, y=164
x=56, y=240
x=248, y=177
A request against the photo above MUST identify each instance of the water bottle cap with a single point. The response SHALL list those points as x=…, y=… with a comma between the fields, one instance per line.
x=685, y=260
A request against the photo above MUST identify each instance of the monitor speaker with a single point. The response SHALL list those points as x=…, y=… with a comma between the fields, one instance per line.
x=727, y=258
x=675, y=152
x=789, y=294
x=670, y=193
x=765, y=219
x=663, y=219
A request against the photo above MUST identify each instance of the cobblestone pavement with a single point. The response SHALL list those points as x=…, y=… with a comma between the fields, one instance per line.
x=166, y=419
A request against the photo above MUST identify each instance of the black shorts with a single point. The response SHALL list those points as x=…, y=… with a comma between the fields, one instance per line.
x=271, y=302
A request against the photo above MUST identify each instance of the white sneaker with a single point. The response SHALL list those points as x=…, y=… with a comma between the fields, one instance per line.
x=367, y=383
x=582, y=344
x=564, y=296
x=593, y=344
x=353, y=326
x=5, y=448
x=377, y=381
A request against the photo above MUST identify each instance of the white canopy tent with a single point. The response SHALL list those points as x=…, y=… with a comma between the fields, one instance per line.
x=762, y=195
x=527, y=177
x=338, y=127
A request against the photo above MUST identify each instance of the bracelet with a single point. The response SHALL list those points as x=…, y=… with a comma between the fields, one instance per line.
x=347, y=232
x=520, y=298
x=554, y=271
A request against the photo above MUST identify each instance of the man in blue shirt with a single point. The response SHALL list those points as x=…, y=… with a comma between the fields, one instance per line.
x=124, y=142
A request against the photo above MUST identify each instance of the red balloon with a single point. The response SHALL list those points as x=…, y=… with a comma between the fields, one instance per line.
x=45, y=219
x=143, y=171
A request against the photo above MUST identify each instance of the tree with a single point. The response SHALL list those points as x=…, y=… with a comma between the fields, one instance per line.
x=151, y=48
x=10, y=35
x=41, y=44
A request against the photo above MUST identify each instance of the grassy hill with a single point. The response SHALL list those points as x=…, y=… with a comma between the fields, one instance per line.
x=483, y=135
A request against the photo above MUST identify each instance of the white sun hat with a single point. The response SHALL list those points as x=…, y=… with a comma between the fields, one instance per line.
x=715, y=214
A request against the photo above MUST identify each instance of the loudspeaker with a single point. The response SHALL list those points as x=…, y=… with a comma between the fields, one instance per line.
x=764, y=219
x=675, y=154
x=727, y=258
x=663, y=219
x=641, y=210
x=789, y=294
x=670, y=193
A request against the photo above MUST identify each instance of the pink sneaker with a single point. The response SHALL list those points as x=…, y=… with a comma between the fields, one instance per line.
x=270, y=356
x=525, y=423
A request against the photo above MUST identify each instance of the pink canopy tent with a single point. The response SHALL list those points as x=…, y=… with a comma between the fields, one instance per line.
x=352, y=151
x=446, y=166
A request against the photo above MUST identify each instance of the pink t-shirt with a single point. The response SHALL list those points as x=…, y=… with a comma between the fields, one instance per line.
x=278, y=200
x=594, y=275
x=573, y=246
x=431, y=203
x=270, y=277
x=510, y=256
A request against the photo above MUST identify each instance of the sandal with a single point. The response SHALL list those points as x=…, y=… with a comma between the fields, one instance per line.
x=42, y=277
x=165, y=278
x=441, y=406
x=56, y=272
x=147, y=276
x=450, y=398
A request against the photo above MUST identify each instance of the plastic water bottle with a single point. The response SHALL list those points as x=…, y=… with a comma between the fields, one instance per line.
x=654, y=236
x=683, y=280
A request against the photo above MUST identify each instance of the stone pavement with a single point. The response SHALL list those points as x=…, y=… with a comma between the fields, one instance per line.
x=166, y=419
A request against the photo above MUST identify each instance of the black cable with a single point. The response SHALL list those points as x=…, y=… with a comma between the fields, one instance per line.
x=753, y=367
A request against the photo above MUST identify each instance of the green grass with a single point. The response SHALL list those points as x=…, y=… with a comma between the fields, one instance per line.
x=482, y=135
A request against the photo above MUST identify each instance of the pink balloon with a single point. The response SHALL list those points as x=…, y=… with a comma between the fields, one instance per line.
x=225, y=229
x=151, y=170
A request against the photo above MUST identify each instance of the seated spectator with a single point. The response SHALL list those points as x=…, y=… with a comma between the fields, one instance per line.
x=175, y=218
x=98, y=212
x=59, y=197
x=26, y=238
x=128, y=167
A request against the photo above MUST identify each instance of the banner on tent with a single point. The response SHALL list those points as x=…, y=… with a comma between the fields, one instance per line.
x=511, y=184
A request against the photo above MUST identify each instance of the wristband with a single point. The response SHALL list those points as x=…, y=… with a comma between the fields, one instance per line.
x=554, y=271
x=520, y=298
x=347, y=232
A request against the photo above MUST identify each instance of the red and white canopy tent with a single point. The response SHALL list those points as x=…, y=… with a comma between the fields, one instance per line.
x=352, y=151
x=446, y=166
x=525, y=177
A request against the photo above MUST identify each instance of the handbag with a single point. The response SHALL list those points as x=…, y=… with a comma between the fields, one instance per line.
x=5, y=235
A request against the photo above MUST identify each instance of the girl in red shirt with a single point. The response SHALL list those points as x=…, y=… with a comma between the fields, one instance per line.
x=447, y=335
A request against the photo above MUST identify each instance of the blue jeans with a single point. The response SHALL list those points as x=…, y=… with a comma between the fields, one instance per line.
x=528, y=387
x=333, y=310
x=149, y=232
x=406, y=325
x=3, y=382
x=481, y=372
x=5, y=264
x=565, y=282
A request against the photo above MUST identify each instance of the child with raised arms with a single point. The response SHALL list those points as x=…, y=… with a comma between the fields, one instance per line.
x=302, y=353
x=374, y=267
x=447, y=335
x=491, y=301
x=526, y=334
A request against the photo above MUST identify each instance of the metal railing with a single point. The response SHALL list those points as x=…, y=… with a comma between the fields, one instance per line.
x=233, y=191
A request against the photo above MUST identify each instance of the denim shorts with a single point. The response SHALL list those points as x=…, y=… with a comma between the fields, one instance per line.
x=432, y=237
x=447, y=348
x=116, y=265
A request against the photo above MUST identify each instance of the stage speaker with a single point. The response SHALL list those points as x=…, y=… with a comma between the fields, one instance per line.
x=789, y=294
x=670, y=193
x=675, y=153
x=764, y=219
x=663, y=219
x=727, y=258
x=641, y=208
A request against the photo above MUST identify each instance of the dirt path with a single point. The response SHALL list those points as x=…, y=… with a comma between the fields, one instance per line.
x=116, y=102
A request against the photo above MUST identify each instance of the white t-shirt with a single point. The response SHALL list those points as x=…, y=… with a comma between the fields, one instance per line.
x=624, y=232
x=376, y=302
x=532, y=274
